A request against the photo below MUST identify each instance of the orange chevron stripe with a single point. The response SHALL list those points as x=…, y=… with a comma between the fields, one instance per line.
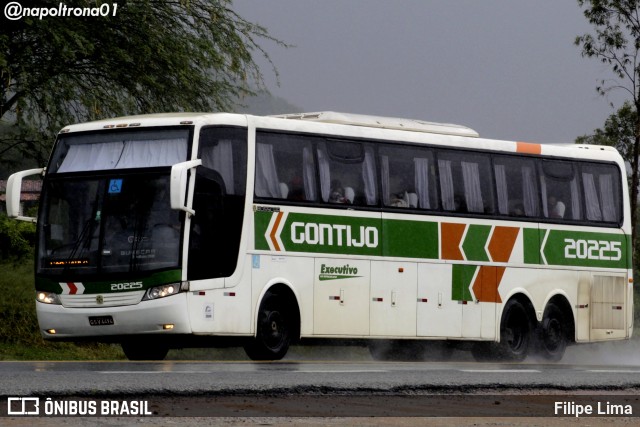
x=485, y=287
x=272, y=235
x=451, y=235
x=502, y=242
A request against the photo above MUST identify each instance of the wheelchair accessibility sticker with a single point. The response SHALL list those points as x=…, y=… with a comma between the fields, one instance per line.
x=115, y=186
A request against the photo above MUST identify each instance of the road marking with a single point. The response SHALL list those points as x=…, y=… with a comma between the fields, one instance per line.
x=154, y=372
x=350, y=371
x=500, y=371
x=614, y=371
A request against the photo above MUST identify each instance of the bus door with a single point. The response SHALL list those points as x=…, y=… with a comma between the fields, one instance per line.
x=393, y=298
x=438, y=315
x=341, y=297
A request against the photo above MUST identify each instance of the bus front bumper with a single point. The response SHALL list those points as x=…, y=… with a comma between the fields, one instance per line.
x=162, y=316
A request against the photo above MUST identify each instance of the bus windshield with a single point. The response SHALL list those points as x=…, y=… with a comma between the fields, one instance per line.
x=125, y=149
x=110, y=224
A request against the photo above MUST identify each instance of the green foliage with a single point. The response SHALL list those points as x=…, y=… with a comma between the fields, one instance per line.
x=618, y=131
x=20, y=338
x=616, y=42
x=17, y=238
x=153, y=56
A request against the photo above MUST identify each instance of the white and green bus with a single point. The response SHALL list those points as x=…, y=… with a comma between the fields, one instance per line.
x=177, y=230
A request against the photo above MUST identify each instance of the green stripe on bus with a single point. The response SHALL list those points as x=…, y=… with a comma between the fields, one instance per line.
x=348, y=235
x=410, y=239
x=475, y=242
x=584, y=249
x=462, y=276
x=102, y=287
x=531, y=243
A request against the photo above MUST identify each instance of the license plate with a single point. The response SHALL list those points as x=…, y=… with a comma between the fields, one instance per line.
x=100, y=320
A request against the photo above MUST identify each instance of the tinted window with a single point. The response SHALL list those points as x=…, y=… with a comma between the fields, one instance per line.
x=602, y=196
x=285, y=167
x=218, y=201
x=516, y=186
x=347, y=172
x=224, y=154
x=408, y=177
x=465, y=182
x=560, y=190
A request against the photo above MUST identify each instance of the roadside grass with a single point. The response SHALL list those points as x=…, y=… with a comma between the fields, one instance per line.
x=19, y=335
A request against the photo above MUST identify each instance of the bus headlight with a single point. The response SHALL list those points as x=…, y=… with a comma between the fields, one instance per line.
x=161, y=291
x=47, y=297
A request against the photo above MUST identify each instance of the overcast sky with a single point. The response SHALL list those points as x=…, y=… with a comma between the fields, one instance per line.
x=506, y=68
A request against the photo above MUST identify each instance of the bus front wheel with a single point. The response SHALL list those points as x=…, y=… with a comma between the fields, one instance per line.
x=274, y=331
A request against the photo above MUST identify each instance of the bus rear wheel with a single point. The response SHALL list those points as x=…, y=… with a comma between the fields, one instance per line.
x=274, y=331
x=552, y=339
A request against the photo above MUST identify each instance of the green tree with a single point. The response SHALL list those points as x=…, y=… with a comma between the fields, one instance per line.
x=618, y=131
x=146, y=56
x=616, y=42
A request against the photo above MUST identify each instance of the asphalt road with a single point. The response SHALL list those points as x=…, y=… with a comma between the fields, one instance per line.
x=307, y=377
x=302, y=386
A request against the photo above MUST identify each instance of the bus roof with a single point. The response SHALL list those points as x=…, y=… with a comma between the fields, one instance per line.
x=451, y=134
x=383, y=123
x=322, y=117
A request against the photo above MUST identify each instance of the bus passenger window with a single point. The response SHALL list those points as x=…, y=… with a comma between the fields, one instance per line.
x=516, y=186
x=601, y=190
x=347, y=172
x=465, y=182
x=285, y=167
x=408, y=178
x=560, y=191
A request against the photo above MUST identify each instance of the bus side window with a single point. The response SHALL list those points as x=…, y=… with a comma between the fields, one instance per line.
x=465, y=182
x=218, y=203
x=601, y=192
x=206, y=249
x=408, y=178
x=347, y=171
x=285, y=167
x=560, y=190
x=516, y=186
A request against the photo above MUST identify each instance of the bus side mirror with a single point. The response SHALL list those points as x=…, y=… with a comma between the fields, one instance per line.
x=14, y=190
x=178, y=185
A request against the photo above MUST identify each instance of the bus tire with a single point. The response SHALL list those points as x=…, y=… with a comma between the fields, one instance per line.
x=552, y=337
x=144, y=350
x=515, y=332
x=273, y=331
x=515, y=337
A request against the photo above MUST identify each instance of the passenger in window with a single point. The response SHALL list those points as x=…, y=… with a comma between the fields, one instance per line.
x=336, y=194
x=399, y=200
x=556, y=207
x=460, y=204
x=518, y=210
x=297, y=189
